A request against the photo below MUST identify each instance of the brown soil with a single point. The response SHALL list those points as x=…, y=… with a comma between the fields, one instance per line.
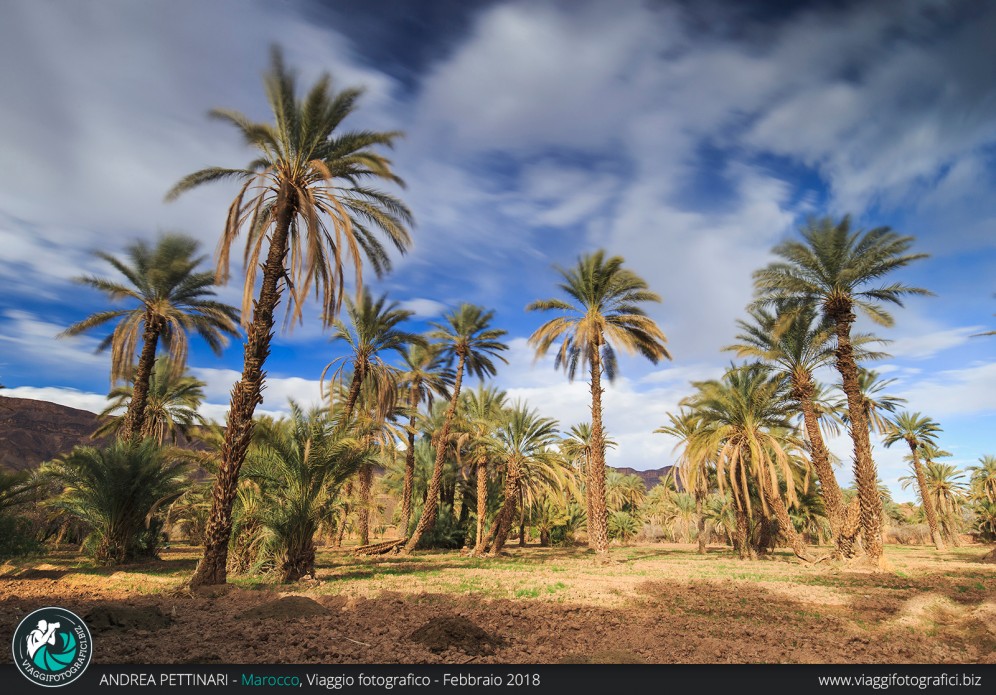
x=653, y=603
x=455, y=632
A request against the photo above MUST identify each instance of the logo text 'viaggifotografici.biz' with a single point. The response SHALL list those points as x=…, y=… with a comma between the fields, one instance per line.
x=52, y=647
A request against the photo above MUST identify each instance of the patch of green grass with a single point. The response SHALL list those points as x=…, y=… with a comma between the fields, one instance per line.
x=533, y=592
x=554, y=588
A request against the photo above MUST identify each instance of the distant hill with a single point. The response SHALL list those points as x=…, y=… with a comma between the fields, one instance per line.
x=651, y=477
x=35, y=431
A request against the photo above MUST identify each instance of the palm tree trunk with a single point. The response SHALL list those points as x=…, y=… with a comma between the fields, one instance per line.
x=506, y=515
x=833, y=499
x=482, y=502
x=246, y=395
x=865, y=474
x=598, y=536
x=741, y=535
x=363, y=519
x=522, y=519
x=785, y=526
x=406, y=501
x=431, y=507
x=928, y=504
x=353, y=395
x=135, y=417
x=701, y=523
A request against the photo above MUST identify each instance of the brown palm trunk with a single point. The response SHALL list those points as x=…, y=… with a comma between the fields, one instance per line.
x=865, y=474
x=702, y=539
x=246, y=395
x=409, y=488
x=785, y=526
x=928, y=504
x=354, y=393
x=135, y=417
x=506, y=515
x=598, y=536
x=741, y=535
x=363, y=519
x=833, y=499
x=522, y=519
x=482, y=502
x=428, y=519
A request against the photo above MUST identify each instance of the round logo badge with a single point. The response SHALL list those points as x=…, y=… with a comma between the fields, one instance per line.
x=52, y=647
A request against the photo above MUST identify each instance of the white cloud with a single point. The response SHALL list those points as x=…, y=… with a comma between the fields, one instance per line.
x=953, y=392
x=422, y=307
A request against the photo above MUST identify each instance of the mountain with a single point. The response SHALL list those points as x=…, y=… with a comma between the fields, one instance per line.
x=35, y=431
x=650, y=478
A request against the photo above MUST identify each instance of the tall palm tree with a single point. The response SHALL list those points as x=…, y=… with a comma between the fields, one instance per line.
x=169, y=300
x=483, y=413
x=372, y=331
x=837, y=270
x=604, y=309
x=746, y=418
x=917, y=430
x=304, y=197
x=425, y=375
x=171, y=407
x=527, y=440
x=467, y=337
x=797, y=346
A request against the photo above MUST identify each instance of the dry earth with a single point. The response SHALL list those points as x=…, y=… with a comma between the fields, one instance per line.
x=652, y=603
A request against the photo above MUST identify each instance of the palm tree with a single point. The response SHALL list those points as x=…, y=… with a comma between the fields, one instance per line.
x=797, y=346
x=576, y=447
x=746, y=418
x=984, y=478
x=425, y=375
x=834, y=268
x=526, y=440
x=372, y=331
x=299, y=464
x=483, y=413
x=307, y=200
x=916, y=430
x=604, y=310
x=876, y=403
x=118, y=493
x=171, y=406
x=694, y=463
x=466, y=336
x=172, y=299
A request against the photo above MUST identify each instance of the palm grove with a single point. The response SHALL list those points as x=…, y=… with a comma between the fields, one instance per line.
x=461, y=464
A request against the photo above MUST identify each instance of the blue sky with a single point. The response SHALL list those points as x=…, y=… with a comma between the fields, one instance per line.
x=689, y=138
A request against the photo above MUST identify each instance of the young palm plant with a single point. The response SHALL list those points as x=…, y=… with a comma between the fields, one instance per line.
x=603, y=309
x=170, y=409
x=117, y=493
x=483, y=413
x=468, y=338
x=299, y=464
x=916, y=430
x=695, y=462
x=171, y=299
x=306, y=201
x=836, y=269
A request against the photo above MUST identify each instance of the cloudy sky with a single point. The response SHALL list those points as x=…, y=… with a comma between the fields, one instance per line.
x=687, y=137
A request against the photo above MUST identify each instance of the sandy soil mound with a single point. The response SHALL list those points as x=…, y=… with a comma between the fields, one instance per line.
x=605, y=657
x=439, y=634
x=929, y=610
x=286, y=608
x=111, y=617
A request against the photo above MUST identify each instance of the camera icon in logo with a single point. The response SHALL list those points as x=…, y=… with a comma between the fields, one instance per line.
x=52, y=647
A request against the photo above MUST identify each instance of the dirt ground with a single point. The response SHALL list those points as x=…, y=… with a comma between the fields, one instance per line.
x=651, y=603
